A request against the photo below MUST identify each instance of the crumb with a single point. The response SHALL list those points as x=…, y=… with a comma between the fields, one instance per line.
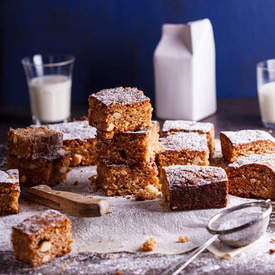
x=271, y=251
x=100, y=241
x=150, y=192
x=111, y=257
x=149, y=245
x=184, y=239
x=76, y=183
x=84, y=118
x=99, y=255
x=272, y=241
x=118, y=273
x=64, y=266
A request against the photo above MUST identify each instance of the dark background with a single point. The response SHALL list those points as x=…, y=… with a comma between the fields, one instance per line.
x=113, y=41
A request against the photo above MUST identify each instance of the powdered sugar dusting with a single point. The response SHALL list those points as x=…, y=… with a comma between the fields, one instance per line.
x=264, y=159
x=10, y=176
x=194, y=175
x=185, y=125
x=181, y=140
x=75, y=130
x=120, y=95
x=39, y=223
x=247, y=136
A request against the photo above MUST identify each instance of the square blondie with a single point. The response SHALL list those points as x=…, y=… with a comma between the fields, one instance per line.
x=188, y=187
x=79, y=138
x=120, y=110
x=121, y=179
x=9, y=192
x=183, y=148
x=32, y=141
x=131, y=147
x=252, y=176
x=49, y=169
x=236, y=144
x=39, y=239
x=171, y=126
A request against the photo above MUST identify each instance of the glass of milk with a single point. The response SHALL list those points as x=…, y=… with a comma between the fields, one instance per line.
x=266, y=91
x=49, y=80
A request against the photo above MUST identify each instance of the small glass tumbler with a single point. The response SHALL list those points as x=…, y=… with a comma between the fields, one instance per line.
x=266, y=91
x=49, y=80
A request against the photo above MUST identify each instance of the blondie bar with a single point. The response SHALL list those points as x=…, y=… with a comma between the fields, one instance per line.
x=245, y=142
x=187, y=187
x=252, y=176
x=49, y=169
x=207, y=128
x=121, y=179
x=120, y=110
x=79, y=139
x=9, y=192
x=183, y=148
x=39, y=239
x=131, y=147
x=31, y=142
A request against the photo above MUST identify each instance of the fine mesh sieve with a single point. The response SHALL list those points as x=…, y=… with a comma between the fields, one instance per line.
x=236, y=226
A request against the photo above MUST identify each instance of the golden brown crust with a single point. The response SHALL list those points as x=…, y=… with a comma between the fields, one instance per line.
x=183, y=148
x=237, y=144
x=121, y=180
x=31, y=142
x=132, y=147
x=173, y=126
x=49, y=170
x=9, y=192
x=41, y=238
x=120, y=110
x=194, y=187
x=252, y=176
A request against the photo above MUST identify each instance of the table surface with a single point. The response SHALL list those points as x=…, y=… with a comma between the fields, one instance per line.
x=232, y=114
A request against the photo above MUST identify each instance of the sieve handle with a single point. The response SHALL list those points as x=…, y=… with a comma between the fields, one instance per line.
x=180, y=267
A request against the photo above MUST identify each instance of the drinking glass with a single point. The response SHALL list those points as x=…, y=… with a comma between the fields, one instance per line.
x=266, y=91
x=49, y=79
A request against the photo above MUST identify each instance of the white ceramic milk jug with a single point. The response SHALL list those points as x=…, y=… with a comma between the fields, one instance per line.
x=185, y=74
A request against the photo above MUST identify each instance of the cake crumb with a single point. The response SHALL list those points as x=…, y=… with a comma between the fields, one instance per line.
x=184, y=239
x=76, y=182
x=150, y=192
x=149, y=245
x=272, y=241
x=64, y=266
x=271, y=251
x=100, y=241
x=100, y=255
x=111, y=257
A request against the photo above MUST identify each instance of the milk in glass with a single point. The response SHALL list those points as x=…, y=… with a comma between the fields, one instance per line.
x=50, y=97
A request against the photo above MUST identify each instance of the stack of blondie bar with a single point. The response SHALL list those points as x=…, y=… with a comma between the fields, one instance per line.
x=36, y=152
x=127, y=142
x=186, y=179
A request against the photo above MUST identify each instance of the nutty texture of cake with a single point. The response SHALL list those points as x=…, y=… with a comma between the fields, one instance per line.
x=79, y=138
x=120, y=110
x=132, y=147
x=31, y=142
x=252, y=176
x=49, y=169
x=183, y=148
x=121, y=179
x=41, y=238
x=188, y=187
x=9, y=192
x=236, y=144
x=207, y=128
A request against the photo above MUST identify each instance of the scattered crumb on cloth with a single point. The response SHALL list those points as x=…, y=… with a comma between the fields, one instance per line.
x=184, y=239
x=149, y=245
